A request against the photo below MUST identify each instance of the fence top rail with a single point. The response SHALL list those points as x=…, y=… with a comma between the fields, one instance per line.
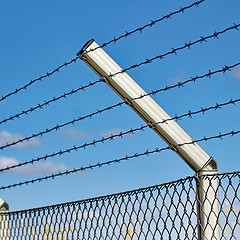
x=119, y=195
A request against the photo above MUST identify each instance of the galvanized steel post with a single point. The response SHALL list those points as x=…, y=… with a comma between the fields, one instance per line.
x=170, y=132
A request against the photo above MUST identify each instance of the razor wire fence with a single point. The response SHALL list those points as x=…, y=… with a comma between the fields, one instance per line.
x=166, y=211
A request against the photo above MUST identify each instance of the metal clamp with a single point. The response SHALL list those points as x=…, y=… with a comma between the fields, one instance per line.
x=105, y=79
x=127, y=101
x=173, y=148
x=151, y=125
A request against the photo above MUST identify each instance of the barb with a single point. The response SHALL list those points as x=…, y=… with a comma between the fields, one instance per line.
x=121, y=134
x=179, y=84
x=114, y=40
x=152, y=23
x=175, y=50
x=99, y=165
x=46, y=103
x=38, y=79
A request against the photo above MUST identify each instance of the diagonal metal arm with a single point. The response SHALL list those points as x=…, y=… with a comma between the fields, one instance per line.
x=169, y=131
x=145, y=107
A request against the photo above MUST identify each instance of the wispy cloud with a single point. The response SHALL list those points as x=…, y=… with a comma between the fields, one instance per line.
x=175, y=79
x=7, y=137
x=235, y=74
x=110, y=132
x=74, y=134
x=32, y=170
x=179, y=77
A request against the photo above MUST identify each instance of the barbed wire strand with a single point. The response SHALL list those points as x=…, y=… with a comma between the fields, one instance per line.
x=38, y=79
x=46, y=103
x=99, y=165
x=175, y=50
x=121, y=134
x=114, y=40
x=58, y=127
x=192, y=79
x=149, y=25
x=75, y=148
x=65, y=95
x=179, y=84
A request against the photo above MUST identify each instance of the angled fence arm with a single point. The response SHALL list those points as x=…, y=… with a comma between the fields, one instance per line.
x=169, y=131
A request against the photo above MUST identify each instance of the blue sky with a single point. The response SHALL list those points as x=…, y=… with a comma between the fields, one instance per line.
x=38, y=36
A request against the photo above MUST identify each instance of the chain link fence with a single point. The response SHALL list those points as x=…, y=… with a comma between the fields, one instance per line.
x=166, y=211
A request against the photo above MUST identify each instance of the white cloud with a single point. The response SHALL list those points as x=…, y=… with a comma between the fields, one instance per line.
x=7, y=137
x=235, y=74
x=7, y=161
x=74, y=134
x=110, y=132
x=41, y=168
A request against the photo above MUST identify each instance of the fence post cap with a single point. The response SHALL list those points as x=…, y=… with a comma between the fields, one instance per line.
x=3, y=205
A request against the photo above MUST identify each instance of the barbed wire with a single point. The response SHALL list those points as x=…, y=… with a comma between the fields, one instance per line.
x=57, y=127
x=46, y=103
x=203, y=110
x=121, y=134
x=175, y=50
x=140, y=29
x=114, y=40
x=38, y=79
x=192, y=79
x=153, y=92
x=126, y=158
x=179, y=84
x=75, y=148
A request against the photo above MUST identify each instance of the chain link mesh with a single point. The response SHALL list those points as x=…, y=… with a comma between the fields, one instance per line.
x=166, y=211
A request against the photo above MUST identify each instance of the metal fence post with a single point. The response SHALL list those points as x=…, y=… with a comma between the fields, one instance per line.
x=178, y=140
x=208, y=205
x=4, y=220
